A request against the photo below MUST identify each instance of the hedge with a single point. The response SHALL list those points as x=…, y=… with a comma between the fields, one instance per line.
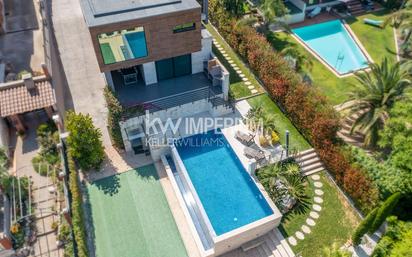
x=308, y=109
x=115, y=112
x=77, y=209
x=364, y=227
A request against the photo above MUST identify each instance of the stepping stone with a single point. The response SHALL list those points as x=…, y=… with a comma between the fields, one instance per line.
x=234, y=65
x=254, y=91
x=251, y=87
x=230, y=61
x=220, y=48
x=306, y=229
x=299, y=235
x=248, y=83
x=318, y=184
x=315, y=177
x=314, y=215
x=242, y=75
x=245, y=79
x=292, y=240
x=225, y=55
x=317, y=199
x=317, y=207
x=318, y=192
x=223, y=52
x=310, y=222
x=239, y=72
x=236, y=68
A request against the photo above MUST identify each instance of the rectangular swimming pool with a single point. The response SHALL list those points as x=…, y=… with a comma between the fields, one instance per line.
x=332, y=42
x=227, y=192
x=137, y=43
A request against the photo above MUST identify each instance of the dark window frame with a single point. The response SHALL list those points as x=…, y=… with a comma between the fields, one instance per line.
x=188, y=26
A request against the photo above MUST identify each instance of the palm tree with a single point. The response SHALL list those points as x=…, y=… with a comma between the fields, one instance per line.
x=373, y=95
x=273, y=10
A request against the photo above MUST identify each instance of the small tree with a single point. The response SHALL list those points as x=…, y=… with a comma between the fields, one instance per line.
x=384, y=211
x=364, y=227
x=84, y=141
x=334, y=251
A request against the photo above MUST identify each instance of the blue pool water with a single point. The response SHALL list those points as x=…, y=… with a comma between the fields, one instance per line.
x=137, y=43
x=331, y=41
x=228, y=194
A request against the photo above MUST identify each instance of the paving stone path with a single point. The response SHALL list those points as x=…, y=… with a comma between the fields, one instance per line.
x=313, y=214
x=235, y=67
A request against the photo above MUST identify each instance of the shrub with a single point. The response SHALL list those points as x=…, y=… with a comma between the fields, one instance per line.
x=84, y=141
x=77, y=209
x=384, y=211
x=308, y=109
x=393, y=239
x=114, y=117
x=364, y=227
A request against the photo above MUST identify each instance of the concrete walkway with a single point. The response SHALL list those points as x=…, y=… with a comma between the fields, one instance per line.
x=78, y=58
x=45, y=202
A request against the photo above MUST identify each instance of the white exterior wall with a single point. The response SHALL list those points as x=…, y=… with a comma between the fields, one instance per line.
x=149, y=73
x=109, y=79
x=4, y=135
x=202, y=55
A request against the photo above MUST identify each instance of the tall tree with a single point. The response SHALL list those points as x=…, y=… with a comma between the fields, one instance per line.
x=373, y=96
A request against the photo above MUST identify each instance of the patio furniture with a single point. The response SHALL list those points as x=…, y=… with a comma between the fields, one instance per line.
x=315, y=12
x=246, y=139
x=372, y=22
x=252, y=153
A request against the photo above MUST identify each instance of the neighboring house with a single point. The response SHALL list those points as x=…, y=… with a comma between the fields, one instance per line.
x=156, y=55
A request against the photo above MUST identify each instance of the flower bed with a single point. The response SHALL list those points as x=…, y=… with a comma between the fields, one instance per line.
x=306, y=107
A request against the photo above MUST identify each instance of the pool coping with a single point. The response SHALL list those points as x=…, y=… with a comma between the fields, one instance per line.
x=325, y=63
x=231, y=239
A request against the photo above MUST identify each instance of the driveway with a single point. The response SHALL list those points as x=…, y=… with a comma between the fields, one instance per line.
x=22, y=45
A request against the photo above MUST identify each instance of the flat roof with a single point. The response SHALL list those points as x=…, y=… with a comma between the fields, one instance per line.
x=102, y=12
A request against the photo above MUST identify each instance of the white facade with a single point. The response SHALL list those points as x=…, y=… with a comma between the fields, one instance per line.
x=149, y=73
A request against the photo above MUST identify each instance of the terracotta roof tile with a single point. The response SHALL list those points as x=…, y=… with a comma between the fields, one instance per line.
x=17, y=100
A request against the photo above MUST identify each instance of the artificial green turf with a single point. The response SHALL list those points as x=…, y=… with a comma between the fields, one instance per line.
x=237, y=87
x=297, y=141
x=131, y=216
x=336, y=222
x=378, y=43
x=107, y=53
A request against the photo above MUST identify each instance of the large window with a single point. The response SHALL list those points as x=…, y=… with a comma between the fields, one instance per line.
x=184, y=27
x=123, y=45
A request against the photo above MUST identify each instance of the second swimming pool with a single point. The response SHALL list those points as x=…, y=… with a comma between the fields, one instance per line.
x=332, y=42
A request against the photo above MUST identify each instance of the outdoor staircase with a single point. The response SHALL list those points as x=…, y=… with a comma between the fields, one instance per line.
x=271, y=244
x=355, y=7
x=356, y=138
x=309, y=162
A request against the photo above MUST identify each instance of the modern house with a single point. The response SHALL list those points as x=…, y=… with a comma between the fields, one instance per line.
x=155, y=54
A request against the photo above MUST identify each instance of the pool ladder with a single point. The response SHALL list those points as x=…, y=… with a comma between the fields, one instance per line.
x=339, y=60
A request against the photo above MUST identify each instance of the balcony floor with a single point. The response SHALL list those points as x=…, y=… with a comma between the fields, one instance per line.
x=139, y=93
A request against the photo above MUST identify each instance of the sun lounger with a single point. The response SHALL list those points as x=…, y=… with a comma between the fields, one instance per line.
x=246, y=139
x=252, y=153
x=377, y=23
x=315, y=12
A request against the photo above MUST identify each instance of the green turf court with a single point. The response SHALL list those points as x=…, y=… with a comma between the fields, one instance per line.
x=131, y=216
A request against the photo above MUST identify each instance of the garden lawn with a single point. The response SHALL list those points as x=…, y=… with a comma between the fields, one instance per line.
x=297, y=141
x=131, y=216
x=238, y=89
x=336, y=222
x=378, y=42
